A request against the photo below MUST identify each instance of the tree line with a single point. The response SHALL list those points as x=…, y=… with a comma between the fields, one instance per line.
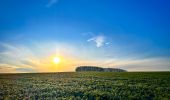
x=99, y=69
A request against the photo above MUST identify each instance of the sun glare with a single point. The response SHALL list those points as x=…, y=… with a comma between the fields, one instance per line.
x=56, y=60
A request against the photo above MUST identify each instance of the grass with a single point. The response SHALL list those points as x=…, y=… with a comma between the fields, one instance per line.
x=86, y=85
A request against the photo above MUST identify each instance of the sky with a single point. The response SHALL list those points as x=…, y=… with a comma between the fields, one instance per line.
x=130, y=34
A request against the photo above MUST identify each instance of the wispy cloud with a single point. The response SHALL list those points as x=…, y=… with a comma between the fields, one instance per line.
x=12, y=56
x=107, y=43
x=4, y=68
x=8, y=68
x=99, y=40
x=51, y=2
x=37, y=58
x=144, y=64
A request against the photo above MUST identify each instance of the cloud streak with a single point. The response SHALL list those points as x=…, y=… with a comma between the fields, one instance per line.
x=37, y=58
x=6, y=68
x=99, y=40
x=51, y=3
x=145, y=64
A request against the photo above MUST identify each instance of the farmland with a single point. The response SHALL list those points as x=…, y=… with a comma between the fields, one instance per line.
x=86, y=85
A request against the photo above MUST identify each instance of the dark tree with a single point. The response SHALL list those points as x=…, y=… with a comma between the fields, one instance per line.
x=98, y=69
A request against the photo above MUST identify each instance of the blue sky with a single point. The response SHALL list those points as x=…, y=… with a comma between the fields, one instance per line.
x=129, y=34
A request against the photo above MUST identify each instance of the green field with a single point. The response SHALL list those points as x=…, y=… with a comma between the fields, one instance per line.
x=86, y=85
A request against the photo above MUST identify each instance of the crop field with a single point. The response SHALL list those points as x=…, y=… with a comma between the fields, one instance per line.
x=86, y=86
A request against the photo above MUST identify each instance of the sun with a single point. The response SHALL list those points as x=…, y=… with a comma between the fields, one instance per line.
x=56, y=60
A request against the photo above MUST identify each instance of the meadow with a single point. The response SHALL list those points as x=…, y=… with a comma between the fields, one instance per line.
x=86, y=86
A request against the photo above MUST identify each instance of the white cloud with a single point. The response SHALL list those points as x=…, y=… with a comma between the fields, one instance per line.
x=51, y=2
x=99, y=40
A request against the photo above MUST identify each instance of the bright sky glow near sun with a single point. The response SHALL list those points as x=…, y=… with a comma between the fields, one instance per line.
x=59, y=35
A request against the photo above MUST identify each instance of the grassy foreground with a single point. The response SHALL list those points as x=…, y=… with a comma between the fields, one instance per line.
x=86, y=85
